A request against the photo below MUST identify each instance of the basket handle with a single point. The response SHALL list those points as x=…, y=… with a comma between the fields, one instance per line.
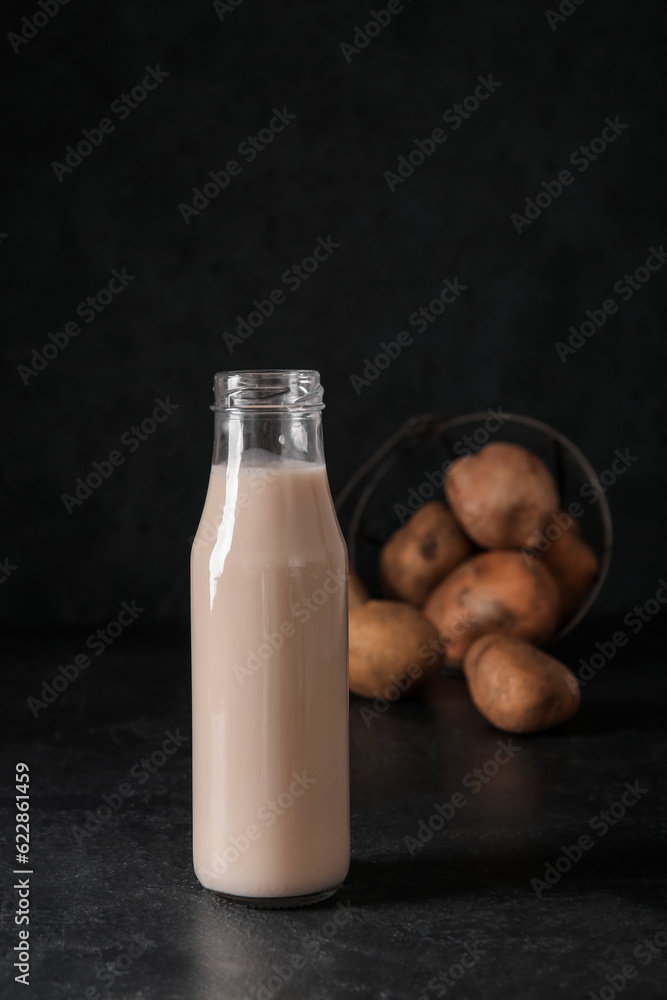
x=416, y=426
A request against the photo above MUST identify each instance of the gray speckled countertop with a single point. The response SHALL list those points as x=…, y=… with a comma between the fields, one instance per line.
x=117, y=910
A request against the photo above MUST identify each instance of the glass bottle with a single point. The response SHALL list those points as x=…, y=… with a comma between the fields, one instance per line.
x=269, y=651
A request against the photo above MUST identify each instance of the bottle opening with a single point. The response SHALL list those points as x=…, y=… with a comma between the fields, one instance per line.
x=268, y=389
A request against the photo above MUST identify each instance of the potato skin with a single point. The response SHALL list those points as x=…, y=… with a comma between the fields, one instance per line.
x=574, y=567
x=421, y=553
x=517, y=687
x=502, y=496
x=356, y=592
x=385, y=642
x=494, y=592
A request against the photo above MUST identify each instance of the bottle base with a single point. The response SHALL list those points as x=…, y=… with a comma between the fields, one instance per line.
x=276, y=902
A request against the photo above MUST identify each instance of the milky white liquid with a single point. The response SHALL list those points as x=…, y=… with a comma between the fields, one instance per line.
x=270, y=702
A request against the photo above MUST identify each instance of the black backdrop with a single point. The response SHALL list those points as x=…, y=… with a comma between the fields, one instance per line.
x=322, y=175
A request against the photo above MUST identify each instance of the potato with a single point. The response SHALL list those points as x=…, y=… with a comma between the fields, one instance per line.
x=573, y=565
x=356, y=592
x=502, y=496
x=494, y=592
x=386, y=649
x=421, y=553
x=519, y=688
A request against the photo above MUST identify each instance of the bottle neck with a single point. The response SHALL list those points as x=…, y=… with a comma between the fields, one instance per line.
x=255, y=438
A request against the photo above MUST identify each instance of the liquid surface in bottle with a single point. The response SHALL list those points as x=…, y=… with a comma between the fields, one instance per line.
x=270, y=701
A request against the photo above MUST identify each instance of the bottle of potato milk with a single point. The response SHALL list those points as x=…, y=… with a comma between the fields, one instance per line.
x=269, y=651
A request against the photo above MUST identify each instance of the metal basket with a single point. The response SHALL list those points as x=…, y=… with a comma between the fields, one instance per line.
x=404, y=472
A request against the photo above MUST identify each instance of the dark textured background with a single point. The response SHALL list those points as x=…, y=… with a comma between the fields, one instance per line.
x=322, y=175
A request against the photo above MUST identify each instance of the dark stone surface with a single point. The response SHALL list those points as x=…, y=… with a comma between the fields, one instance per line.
x=405, y=919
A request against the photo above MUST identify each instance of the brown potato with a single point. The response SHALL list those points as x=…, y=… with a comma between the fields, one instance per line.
x=422, y=552
x=502, y=496
x=573, y=565
x=519, y=688
x=387, y=654
x=356, y=592
x=494, y=592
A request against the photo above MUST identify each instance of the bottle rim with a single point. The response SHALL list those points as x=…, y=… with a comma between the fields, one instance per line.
x=293, y=389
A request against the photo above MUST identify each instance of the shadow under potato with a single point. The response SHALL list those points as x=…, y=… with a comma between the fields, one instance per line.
x=450, y=870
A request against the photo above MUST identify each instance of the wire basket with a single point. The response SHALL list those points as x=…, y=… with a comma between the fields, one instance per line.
x=408, y=469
